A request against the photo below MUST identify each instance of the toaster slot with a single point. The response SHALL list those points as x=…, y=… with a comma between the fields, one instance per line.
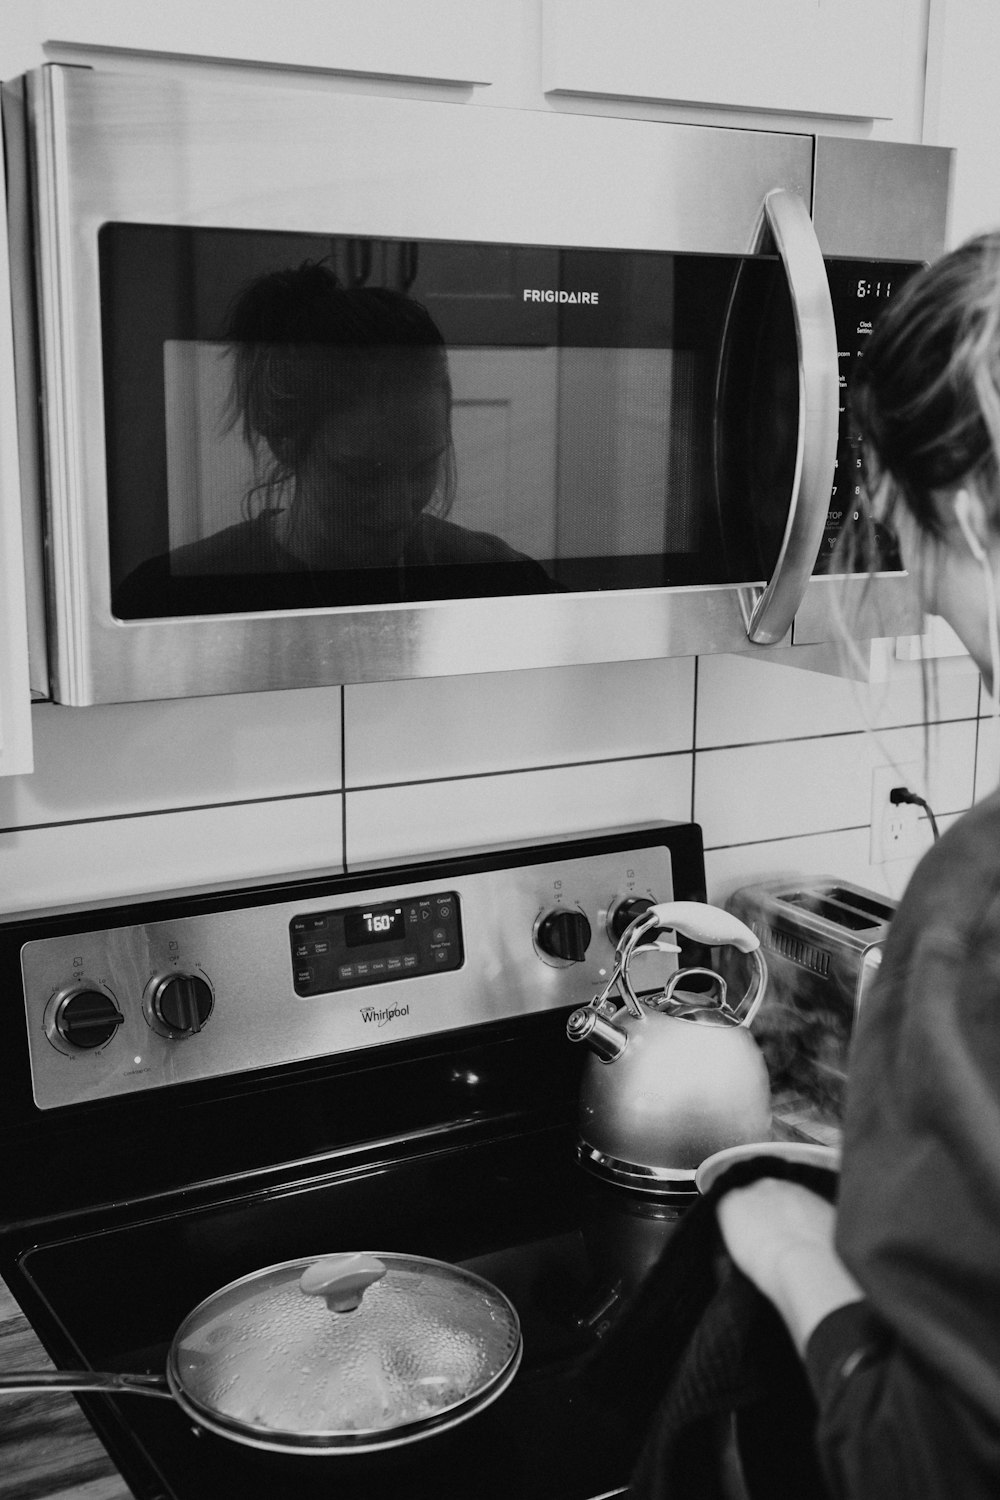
x=846, y=908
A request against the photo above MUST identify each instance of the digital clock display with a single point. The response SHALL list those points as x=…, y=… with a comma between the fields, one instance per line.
x=373, y=924
x=876, y=290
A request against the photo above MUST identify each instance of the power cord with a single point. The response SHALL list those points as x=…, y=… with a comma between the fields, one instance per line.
x=903, y=794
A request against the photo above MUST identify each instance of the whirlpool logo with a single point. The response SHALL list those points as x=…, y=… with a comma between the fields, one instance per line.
x=373, y=1017
x=548, y=294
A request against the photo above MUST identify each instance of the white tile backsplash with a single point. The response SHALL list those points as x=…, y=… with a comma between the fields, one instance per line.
x=127, y=800
x=403, y=822
x=839, y=856
x=135, y=757
x=460, y=726
x=987, y=757
x=107, y=859
x=756, y=793
x=743, y=700
x=843, y=854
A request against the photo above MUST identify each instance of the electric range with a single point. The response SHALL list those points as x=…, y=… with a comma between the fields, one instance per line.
x=202, y=1085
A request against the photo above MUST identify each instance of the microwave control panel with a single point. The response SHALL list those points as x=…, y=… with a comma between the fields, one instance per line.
x=859, y=290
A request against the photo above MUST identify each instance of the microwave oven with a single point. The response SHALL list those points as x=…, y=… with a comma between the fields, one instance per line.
x=318, y=388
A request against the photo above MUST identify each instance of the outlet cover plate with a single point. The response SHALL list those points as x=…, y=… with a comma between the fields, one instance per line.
x=895, y=830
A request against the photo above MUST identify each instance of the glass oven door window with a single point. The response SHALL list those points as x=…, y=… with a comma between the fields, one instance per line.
x=296, y=422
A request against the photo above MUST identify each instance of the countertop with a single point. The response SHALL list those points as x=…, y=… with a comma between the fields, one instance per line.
x=48, y=1450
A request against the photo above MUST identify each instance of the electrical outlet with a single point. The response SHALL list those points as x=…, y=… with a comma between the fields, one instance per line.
x=896, y=827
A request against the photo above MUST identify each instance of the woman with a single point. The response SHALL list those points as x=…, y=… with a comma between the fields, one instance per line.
x=893, y=1299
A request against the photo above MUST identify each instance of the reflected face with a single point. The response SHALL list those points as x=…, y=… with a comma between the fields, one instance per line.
x=371, y=472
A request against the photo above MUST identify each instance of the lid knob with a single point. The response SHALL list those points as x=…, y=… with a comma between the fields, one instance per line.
x=341, y=1280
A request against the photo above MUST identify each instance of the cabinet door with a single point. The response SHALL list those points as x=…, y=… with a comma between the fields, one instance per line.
x=15, y=696
x=439, y=42
x=837, y=57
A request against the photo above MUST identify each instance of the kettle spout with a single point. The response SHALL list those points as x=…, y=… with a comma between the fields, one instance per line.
x=601, y=1035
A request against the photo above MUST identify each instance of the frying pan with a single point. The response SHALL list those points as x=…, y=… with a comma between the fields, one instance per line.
x=349, y=1353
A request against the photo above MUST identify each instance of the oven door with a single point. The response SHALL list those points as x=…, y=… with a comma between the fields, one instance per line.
x=591, y=493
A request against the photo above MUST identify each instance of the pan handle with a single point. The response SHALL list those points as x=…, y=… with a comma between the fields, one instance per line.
x=27, y=1382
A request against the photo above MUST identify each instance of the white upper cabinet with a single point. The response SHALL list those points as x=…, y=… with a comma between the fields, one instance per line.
x=452, y=43
x=15, y=697
x=825, y=57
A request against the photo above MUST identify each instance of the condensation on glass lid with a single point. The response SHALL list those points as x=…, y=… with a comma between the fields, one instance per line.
x=427, y=1345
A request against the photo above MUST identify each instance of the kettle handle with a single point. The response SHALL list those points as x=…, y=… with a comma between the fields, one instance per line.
x=705, y=924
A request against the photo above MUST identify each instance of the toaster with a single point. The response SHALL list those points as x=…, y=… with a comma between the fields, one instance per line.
x=822, y=940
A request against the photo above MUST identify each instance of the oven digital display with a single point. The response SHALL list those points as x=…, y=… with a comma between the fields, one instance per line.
x=378, y=924
x=350, y=947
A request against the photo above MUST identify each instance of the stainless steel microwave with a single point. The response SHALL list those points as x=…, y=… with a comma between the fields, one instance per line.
x=319, y=388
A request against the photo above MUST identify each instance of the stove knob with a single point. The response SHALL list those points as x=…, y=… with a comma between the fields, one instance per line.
x=563, y=935
x=625, y=913
x=83, y=1018
x=179, y=1004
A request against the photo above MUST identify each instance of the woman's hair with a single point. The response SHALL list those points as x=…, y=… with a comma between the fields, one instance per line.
x=925, y=394
x=303, y=347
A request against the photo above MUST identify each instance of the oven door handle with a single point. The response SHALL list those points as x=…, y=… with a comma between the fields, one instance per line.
x=768, y=612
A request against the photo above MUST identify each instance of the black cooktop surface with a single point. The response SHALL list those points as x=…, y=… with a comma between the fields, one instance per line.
x=568, y=1250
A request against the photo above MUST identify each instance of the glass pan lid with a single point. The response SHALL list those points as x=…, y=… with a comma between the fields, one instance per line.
x=287, y=1358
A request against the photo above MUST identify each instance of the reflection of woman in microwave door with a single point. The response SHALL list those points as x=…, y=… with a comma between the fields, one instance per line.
x=343, y=397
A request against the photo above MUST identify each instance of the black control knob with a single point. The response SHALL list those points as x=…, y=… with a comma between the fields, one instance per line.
x=564, y=934
x=181, y=1004
x=625, y=914
x=86, y=1018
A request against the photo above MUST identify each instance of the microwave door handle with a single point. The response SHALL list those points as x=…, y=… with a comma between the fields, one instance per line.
x=769, y=612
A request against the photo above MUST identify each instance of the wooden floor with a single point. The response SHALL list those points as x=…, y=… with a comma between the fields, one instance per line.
x=47, y=1448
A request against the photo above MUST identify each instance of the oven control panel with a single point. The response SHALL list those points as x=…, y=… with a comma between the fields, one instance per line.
x=199, y=994
x=375, y=943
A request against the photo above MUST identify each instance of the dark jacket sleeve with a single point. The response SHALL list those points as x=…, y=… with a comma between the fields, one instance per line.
x=887, y=1428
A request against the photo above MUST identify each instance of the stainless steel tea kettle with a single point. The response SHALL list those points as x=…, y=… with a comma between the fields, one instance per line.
x=675, y=1076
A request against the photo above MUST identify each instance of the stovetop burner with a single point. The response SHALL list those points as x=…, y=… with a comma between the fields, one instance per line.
x=145, y=1173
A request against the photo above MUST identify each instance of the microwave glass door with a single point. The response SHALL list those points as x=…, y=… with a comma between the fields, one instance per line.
x=296, y=422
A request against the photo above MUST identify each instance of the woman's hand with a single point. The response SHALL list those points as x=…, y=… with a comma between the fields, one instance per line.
x=780, y=1235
